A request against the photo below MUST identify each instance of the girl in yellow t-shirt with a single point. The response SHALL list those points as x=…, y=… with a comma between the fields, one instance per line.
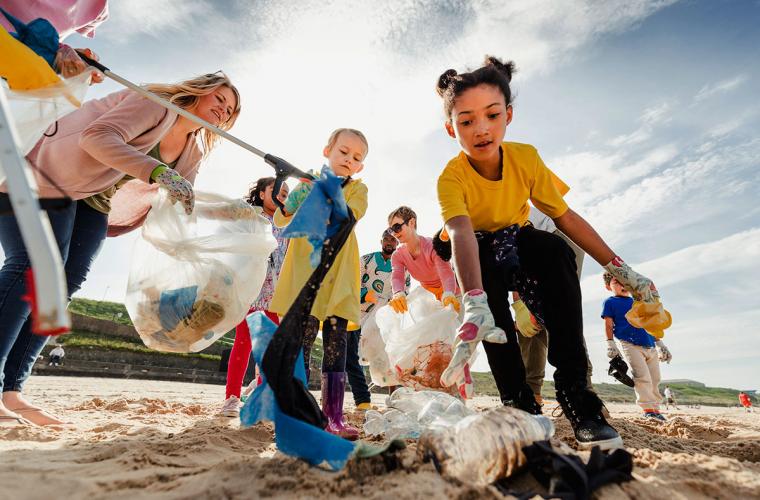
x=338, y=299
x=483, y=194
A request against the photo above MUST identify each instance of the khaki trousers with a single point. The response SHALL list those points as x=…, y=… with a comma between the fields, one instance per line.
x=646, y=373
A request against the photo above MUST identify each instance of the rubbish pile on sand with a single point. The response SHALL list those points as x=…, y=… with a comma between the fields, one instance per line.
x=162, y=440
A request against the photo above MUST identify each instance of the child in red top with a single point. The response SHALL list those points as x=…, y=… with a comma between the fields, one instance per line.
x=745, y=401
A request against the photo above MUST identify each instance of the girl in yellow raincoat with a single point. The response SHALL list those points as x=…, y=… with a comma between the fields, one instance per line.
x=337, y=303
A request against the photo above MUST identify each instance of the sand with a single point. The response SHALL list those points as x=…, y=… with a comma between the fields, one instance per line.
x=145, y=439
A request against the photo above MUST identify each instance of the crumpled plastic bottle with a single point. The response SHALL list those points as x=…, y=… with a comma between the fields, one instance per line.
x=431, y=409
x=484, y=447
x=412, y=412
x=374, y=424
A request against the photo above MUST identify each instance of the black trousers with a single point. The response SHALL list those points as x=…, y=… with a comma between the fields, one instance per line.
x=550, y=262
x=355, y=371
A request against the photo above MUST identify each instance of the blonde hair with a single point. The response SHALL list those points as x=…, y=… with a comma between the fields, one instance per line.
x=404, y=213
x=187, y=93
x=335, y=133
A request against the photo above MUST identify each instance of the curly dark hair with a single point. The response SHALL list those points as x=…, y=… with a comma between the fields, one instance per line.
x=256, y=192
x=493, y=72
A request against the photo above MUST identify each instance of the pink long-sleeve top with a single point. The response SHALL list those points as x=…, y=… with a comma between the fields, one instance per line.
x=427, y=268
x=96, y=145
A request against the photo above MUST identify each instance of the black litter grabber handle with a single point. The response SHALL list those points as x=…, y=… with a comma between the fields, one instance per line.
x=92, y=62
x=283, y=170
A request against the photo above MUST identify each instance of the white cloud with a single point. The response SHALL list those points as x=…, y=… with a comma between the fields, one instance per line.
x=655, y=115
x=158, y=18
x=739, y=252
x=720, y=87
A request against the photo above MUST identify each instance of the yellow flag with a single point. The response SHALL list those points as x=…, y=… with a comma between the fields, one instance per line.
x=21, y=67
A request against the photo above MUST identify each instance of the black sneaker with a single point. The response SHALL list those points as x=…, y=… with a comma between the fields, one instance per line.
x=583, y=409
x=525, y=401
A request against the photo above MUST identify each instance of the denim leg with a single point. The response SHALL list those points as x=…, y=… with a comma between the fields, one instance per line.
x=354, y=370
x=14, y=311
x=87, y=237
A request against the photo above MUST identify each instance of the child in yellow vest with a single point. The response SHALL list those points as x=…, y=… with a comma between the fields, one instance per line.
x=337, y=303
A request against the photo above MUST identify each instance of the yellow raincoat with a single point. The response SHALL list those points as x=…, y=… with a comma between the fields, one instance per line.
x=339, y=293
x=21, y=67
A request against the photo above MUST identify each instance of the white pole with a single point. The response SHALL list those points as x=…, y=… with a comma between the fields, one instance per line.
x=49, y=278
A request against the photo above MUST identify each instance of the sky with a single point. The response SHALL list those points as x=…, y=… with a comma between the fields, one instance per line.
x=647, y=109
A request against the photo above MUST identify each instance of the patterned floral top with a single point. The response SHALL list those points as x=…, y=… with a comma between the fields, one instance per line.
x=376, y=276
x=273, y=268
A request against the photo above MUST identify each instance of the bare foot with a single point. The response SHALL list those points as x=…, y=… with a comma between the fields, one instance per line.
x=15, y=403
x=10, y=419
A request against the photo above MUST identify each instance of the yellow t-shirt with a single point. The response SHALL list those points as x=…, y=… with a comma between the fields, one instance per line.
x=493, y=205
x=339, y=293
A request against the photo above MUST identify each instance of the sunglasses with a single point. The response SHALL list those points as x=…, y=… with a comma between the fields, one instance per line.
x=396, y=228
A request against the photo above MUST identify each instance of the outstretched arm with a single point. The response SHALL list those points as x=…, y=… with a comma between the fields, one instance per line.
x=464, y=248
x=577, y=229
x=641, y=287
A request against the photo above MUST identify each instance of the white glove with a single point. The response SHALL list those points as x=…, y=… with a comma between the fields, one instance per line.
x=612, y=349
x=180, y=189
x=663, y=353
x=478, y=324
x=640, y=286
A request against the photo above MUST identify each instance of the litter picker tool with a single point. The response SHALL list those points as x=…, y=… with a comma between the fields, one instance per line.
x=282, y=168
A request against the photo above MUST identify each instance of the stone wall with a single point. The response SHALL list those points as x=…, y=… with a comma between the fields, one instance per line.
x=113, y=329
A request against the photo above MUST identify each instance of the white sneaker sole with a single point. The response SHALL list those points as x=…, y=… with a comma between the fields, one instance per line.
x=229, y=413
x=605, y=444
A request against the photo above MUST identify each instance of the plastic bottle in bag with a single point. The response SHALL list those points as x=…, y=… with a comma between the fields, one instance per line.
x=485, y=447
x=375, y=424
x=431, y=409
x=394, y=424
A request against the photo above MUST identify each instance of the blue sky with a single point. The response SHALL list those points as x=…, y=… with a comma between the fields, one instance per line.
x=648, y=109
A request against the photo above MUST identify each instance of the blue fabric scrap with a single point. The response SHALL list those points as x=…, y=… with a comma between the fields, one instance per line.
x=293, y=437
x=39, y=35
x=321, y=213
x=176, y=305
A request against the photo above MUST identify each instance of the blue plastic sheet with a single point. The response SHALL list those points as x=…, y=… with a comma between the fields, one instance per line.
x=176, y=305
x=39, y=35
x=319, y=216
x=293, y=437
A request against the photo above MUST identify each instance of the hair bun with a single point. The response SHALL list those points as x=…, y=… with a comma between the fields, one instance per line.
x=445, y=80
x=505, y=69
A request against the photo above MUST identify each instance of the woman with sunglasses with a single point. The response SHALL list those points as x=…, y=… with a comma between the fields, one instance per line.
x=416, y=256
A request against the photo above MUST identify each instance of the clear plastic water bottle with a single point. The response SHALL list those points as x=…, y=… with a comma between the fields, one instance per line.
x=485, y=447
x=401, y=425
x=428, y=407
x=375, y=424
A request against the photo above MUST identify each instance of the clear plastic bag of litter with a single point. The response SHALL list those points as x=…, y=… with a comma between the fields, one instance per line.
x=372, y=352
x=419, y=341
x=193, y=278
x=35, y=111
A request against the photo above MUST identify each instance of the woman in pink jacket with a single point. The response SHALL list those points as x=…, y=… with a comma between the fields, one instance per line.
x=416, y=256
x=87, y=156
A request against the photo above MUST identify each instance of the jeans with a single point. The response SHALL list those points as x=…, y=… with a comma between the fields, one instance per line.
x=79, y=232
x=547, y=259
x=354, y=370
